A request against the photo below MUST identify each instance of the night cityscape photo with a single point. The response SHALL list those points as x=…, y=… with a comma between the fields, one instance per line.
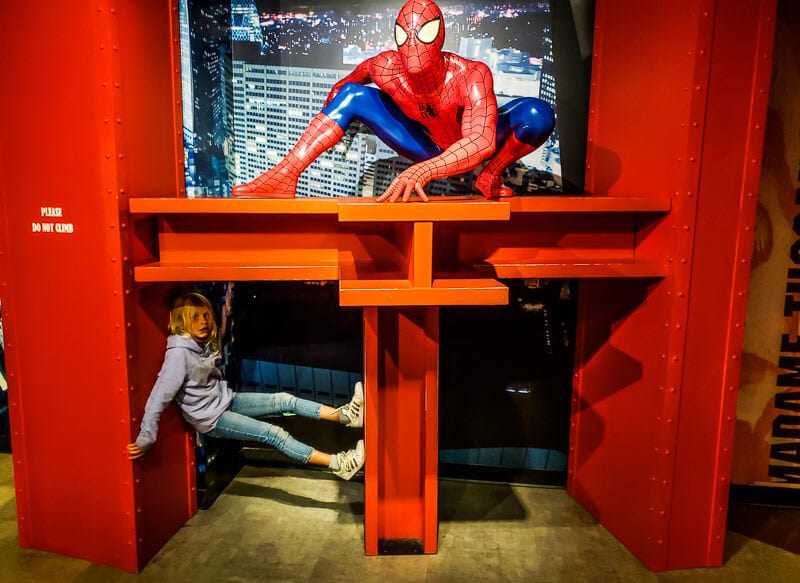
x=256, y=72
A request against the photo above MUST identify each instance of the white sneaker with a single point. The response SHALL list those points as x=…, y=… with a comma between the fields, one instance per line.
x=352, y=414
x=351, y=461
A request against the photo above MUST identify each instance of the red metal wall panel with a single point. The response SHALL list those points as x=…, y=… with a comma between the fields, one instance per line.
x=92, y=120
x=731, y=154
x=70, y=415
x=649, y=107
x=618, y=394
x=644, y=61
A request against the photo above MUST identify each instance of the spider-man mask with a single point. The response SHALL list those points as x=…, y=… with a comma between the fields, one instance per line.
x=419, y=34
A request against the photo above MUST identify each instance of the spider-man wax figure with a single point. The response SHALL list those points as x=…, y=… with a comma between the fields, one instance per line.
x=436, y=108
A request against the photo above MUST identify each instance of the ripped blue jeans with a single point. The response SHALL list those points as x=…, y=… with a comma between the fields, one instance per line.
x=239, y=422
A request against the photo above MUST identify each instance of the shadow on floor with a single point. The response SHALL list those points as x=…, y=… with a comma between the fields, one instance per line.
x=774, y=525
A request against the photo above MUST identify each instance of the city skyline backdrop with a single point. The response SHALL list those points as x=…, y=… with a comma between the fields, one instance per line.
x=255, y=73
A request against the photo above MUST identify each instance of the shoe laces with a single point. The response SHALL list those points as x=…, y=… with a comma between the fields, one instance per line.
x=350, y=411
x=349, y=460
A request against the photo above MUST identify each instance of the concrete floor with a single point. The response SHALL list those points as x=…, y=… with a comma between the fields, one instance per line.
x=287, y=524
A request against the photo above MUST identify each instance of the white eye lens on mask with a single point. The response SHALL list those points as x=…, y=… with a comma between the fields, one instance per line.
x=429, y=32
x=400, y=35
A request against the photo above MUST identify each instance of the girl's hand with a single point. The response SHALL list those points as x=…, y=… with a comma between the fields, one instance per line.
x=133, y=451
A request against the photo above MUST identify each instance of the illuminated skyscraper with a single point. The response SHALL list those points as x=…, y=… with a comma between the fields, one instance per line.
x=187, y=95
x=244, y=22
x=272, y=106
x=550, y=152
x=547, y=91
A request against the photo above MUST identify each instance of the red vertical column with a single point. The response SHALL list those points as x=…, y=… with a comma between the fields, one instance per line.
x=401, y=372
x=732, y=144
x=657, y=362
x=90, y=125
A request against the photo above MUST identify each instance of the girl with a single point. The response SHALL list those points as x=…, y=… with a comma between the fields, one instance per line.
x=190, y=376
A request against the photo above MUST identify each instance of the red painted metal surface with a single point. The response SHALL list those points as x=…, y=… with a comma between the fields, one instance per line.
x=626, y=393
x=738, y=89
x=650, y=435
x=401, y=373
x=352, y=240
x=68, y=387
x=82, y=136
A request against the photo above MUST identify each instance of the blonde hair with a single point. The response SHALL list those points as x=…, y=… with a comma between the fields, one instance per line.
x=181, y=312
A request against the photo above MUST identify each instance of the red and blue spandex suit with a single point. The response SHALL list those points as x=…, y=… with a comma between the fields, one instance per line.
x=436, y=108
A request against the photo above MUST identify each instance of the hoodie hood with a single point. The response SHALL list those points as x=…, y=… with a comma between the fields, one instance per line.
x=178, y=341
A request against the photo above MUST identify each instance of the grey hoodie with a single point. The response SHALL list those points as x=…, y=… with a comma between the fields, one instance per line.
x=190, y=376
